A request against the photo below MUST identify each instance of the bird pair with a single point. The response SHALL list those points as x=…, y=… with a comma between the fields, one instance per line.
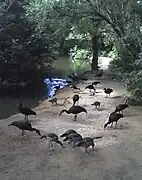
x=25, y=125
x=115, y=116
x=73, y=137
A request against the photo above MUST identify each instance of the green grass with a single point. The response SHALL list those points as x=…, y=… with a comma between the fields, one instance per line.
x=65, y=65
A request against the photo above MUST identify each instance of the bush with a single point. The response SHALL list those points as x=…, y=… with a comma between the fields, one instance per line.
x=133, y=82
x=80, y=58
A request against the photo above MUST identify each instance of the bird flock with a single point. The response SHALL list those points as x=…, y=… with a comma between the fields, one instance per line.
x=71, y=136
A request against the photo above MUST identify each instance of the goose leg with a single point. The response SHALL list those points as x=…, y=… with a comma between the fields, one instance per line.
x=22, y=133
x=111, y=124
x=51, y=145
x=86, y=151
x=93, y=146
x=75, y=117
x=69, y=142
x=115, y=124
x=73, y=145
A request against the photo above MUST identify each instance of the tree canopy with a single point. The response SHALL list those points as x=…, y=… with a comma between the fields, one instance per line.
x=35, y=32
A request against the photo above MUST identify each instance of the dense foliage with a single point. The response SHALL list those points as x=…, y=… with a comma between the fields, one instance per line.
x=35, y=32
x=24, y=53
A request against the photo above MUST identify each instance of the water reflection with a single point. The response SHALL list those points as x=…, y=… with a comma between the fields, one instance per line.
x=54, y=84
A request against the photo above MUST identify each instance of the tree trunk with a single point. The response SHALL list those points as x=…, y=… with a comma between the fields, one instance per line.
x=95, y=50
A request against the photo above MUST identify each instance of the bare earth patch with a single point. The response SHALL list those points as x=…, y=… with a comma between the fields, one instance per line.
x=117, y=154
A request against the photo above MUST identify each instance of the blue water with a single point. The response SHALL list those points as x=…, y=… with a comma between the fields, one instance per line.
x=52, y=83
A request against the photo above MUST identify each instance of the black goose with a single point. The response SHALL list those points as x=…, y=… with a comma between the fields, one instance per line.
x=96, y=83
x=108, y=91
x=96, y=103
x=91, y=87
x=119, y=108
x=73, y=138
x=26, y=111
x=75, y=99
x=74, y=110
x=114, y=117
x=54, y=100
x=24, y=125
x=68, y=132
x=52, y=138
x=87, y=142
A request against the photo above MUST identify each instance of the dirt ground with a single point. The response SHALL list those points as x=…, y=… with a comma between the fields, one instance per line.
x=116, y=156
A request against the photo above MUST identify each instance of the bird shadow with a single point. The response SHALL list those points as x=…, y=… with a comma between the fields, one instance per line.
x=101, y=109
x=121, y=127
x=116, y=97
x=129, y=115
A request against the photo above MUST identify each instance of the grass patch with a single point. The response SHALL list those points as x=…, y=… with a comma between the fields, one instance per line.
x=65, y=66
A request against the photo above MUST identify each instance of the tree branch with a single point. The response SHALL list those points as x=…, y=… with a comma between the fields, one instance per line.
x=117, y=31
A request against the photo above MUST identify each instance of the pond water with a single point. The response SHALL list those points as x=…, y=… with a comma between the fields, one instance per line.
x=53, y=84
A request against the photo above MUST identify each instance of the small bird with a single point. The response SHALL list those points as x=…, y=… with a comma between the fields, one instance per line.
x=96, y=83
x=75, y=99
x=75, y=87
x=114, y=117
x=99, y=74
x=73, y=138
x=68, y=132
x=87, y=142
x=119, y=108
x=24, y=125
x=91, y=87
x=97, y=104
x=26, y=111
x=53, y=100
x=108, y=91
x=74, y=110
x=52, y=138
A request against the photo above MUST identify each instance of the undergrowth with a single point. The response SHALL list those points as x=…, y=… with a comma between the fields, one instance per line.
x=130, y=72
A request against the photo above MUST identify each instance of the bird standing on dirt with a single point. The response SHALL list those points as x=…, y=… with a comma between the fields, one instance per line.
x=74, y=110
x=73, y=138
x=75, y=99
x=96, y=83
x=24, y=125
x=108, y=91
x=114, y=117
x=91, y=87
x=52, y=138
x=54, y=100
x=26, y=111
x=87, y=142
x=96, y=103
x=119, y=108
